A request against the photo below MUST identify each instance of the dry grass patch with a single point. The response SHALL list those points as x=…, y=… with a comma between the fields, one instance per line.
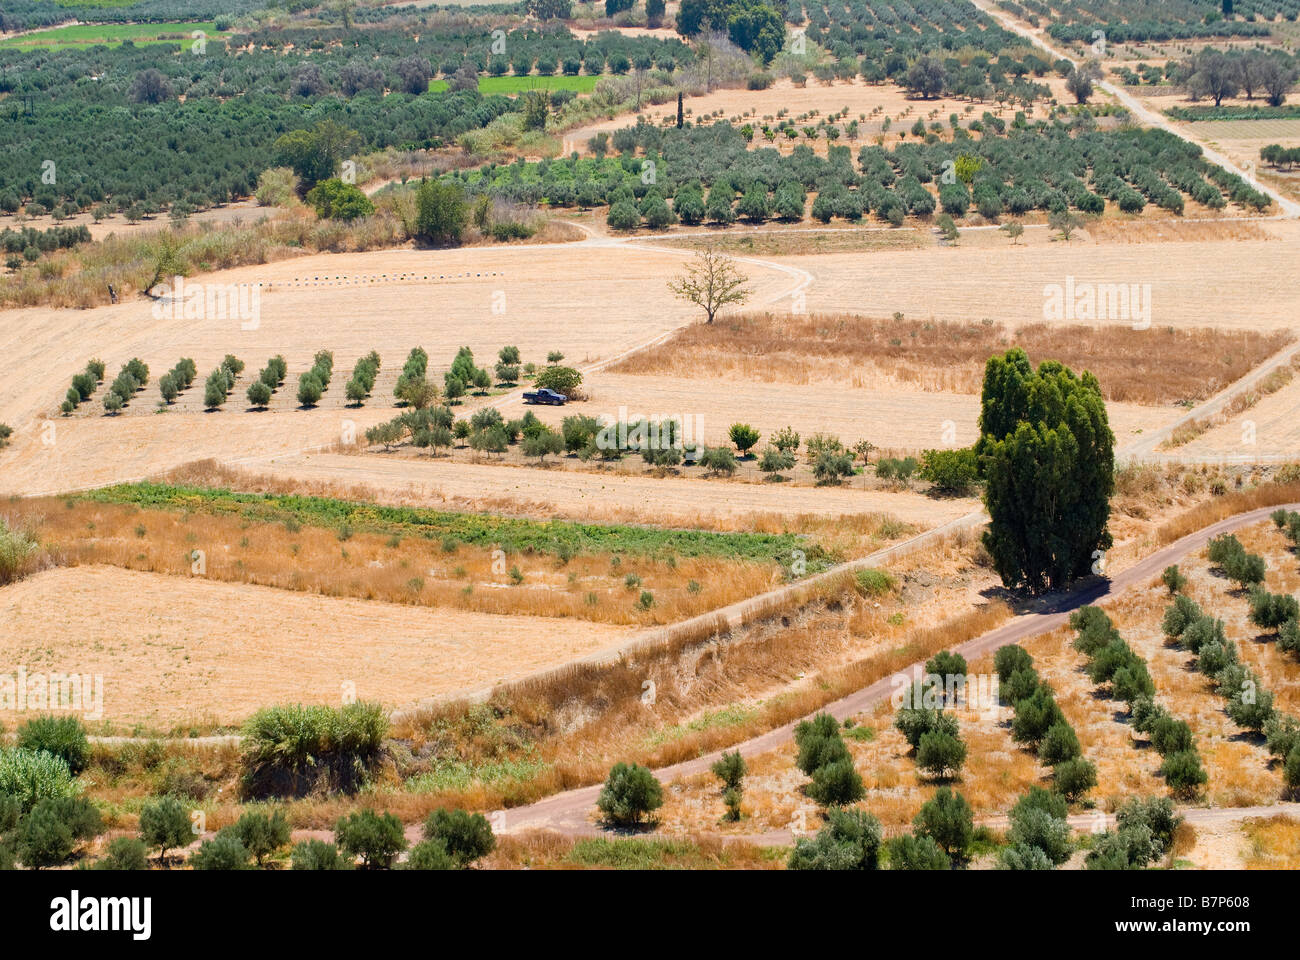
x=603, y=588
x=1274, y=843
x=944, y=356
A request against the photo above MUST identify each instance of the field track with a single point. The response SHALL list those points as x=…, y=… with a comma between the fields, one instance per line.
x=569, y=812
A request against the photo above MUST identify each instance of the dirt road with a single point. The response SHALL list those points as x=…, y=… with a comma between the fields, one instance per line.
x=570, y=812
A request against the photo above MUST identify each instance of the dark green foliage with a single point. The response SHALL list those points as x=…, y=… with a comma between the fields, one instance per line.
x=1183, y=772
x=850, y=840
x=730, y=769
x=1058, y=744
x=1019, y=686
x=911, y=852
x=376, y=838
x=166, y=825
x=225, y=851
x=1170, y=735
x=318, y=855
x=951, y=471
x=64, y=737
x=464, y=836
x=1074, y=778
x=430, y=855
x=940, y=754
x=836, y=783
x=124, y=853
x=1009, y=659
x=1046, y=453
x=1173, y=579
x=629, y=794
x=442, y=211
x=1271, y=610
x=262, y=835
x=946, y=819
x=1179, y=616
x=1034, y=716
x=290, y=750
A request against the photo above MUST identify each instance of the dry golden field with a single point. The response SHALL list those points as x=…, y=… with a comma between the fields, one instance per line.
x=175, y=652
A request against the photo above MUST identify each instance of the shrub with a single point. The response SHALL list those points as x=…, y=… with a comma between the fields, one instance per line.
x=837, y=783
x=1271, y=610
x=309, y=389
x=1009, y=659
x=430, y=855
x=1060, y=743
x=1173, y=579
x=730, y=769
x=818, y=743
x=124, y=853
x=259, y=394
x=1179, y=616
x=464, y=836
x=563, y=380
x=222, y=852
x=829, y=468
x=946, y=819
x=64, y=737
x=1183, y=772
x=850, y=840
x=1037, y=828
x=950, y=471
x=910, y=852
x=30, y=776
x=376, y=838
x=1074, y=778
x=940, y=754
x=743, y=436
x=630, y=792
x=291, y=749
x=260, y=834
x=718, y=461
x=165, y=825
x=42, y=838
x=1034, y=716
x=318, y=855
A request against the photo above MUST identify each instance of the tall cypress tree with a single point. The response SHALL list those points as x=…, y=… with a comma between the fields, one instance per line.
x=1047, y=454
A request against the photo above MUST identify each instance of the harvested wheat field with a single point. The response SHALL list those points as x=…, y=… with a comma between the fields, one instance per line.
x=217, y=652
x=1242, y=284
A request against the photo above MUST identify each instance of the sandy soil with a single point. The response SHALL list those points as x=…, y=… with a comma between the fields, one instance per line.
x=604, y=497
x=218, y=651
x=337, y=302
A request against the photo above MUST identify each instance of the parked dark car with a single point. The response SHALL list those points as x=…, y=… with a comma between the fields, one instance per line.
x=545, y=395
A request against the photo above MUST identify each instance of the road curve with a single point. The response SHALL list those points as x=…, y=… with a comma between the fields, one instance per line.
x=568, y=812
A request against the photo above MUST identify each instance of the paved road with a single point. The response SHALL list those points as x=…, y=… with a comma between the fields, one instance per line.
x=568, y=812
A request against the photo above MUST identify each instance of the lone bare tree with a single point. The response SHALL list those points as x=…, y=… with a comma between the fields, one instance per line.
x=711, y=282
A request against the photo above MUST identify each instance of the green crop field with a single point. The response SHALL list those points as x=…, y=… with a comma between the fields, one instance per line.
x=112, y=34
x=508, y=85
x=510, y=533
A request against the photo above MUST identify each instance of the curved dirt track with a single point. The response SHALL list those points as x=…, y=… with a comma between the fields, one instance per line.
x=569, y=812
